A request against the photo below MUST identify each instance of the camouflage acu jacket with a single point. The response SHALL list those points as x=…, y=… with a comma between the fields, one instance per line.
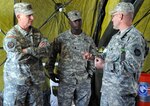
x=21, y=67
x=71, y=63
x=124, y=57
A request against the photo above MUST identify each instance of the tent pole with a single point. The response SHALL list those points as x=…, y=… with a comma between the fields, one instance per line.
x=100, y=19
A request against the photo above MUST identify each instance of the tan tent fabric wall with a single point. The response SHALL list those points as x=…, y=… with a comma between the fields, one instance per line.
x=110, y=5
x=59, y=23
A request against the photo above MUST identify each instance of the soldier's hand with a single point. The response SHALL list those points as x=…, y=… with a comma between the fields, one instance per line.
x=43, y=44
x=87, y=56
x=24, y=50
x=99, y=63
x=54, y=78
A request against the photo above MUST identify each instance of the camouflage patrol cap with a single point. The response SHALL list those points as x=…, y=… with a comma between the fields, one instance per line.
x=74, y=15
x=24, y=8
x=124, y=7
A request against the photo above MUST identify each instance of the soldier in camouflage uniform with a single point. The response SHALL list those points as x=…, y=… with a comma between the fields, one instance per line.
x=122, y=60
x=23, y=71
x=74, y=72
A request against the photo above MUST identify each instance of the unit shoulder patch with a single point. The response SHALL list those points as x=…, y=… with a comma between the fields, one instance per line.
x=10, y=44
x=10, y=41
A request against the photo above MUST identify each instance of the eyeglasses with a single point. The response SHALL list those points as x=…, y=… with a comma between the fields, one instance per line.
x=113, y=15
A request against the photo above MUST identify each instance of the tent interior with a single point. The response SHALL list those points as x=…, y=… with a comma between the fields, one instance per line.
x=51, y=20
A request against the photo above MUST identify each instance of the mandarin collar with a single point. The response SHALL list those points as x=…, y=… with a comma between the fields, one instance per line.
x=22, y=31
x=123, y=33
x=74, y=34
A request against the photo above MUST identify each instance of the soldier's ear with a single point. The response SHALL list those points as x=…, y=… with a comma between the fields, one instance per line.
x=18, y=16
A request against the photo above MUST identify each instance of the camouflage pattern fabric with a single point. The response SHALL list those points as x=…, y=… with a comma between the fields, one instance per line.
x=23, y=72
x=73, y=70
x=124, y=57
x=116, y=100
x=1, y=99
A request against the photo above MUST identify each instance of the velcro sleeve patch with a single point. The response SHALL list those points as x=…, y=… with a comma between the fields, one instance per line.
x=10, y=43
